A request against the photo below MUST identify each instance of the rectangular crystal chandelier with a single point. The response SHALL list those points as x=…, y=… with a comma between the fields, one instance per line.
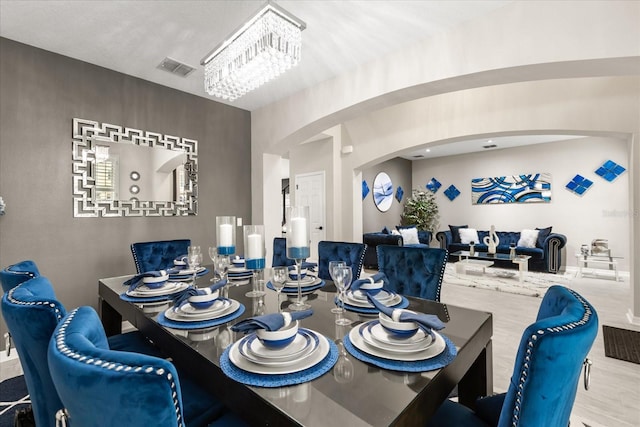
x=265, y=46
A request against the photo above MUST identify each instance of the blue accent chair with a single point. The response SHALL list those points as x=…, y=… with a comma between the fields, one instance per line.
x=158, y=255
x=15, y=274
x=351, y=253
x=103, y=387
x=546, y=373
x=413, y=271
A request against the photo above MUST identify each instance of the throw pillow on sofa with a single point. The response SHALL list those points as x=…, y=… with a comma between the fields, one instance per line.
x=543, y=233
x=455, y=234
x=409, y=236
x=468, y=235
x=528, y=238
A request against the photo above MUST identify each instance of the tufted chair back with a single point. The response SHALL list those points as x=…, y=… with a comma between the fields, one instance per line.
x=351, y=253
x=280, y=253
x=549, y=360
x=102, y=387
x=32, y=313
x=15, y=274
x=413, y=271
x=159, y=255
x=546, y=372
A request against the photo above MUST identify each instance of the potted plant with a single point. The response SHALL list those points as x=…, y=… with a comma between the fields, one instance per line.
x=421, y=210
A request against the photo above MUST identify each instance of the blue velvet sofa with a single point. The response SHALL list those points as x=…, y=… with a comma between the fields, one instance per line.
x=546, y=256
x=384, y=237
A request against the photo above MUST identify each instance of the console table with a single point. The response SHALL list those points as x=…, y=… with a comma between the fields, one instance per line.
x=584, y=260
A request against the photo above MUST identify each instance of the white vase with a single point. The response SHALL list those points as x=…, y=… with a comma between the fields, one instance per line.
x=492, y=241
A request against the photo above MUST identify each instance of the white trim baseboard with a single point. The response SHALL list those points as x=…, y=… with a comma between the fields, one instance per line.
x=634, y=320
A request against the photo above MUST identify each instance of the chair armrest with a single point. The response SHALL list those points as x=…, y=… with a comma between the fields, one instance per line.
x=444, y=237
x=424, y=237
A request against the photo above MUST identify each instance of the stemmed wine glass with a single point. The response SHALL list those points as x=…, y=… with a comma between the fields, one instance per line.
x=194, y=259
x=333, y=266
x=221, y=267
x=213, y=253
x=343, y=276
x=278, y=279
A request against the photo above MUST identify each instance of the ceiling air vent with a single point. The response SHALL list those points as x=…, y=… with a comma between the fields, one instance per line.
x=489, y=146
x=419, y=156
x=175, y=67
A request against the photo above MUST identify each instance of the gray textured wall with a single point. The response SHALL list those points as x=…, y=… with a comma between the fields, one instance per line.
x=40, y=93
x=399, y=170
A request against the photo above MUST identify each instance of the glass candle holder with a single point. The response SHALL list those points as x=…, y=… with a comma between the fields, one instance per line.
x=226, y=234
x=254, y=256
x=298, y=245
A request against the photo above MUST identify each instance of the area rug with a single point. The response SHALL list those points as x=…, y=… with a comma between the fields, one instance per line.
x=503, y=280
x=13, y=397
x=622, y=344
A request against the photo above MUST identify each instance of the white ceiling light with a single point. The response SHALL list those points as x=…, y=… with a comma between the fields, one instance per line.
x=267, y=45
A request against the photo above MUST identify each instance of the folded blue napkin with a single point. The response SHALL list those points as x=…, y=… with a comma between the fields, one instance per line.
x=376, y=278
x=136, y=280
x=311, y=266
x=429, y=321
x=270, y=322
x=183, y=297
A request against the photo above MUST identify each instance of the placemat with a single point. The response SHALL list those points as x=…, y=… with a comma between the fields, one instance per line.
x=440, y=361
x=162, y=320
x=372, y=310
x=279, y=380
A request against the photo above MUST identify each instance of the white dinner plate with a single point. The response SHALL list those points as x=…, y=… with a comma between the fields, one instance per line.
x=316, y=357
x=167, y=289
x=188, y=272
x=395, y=300
x=302, y=340
x=432, y=351
x=302, y=349
x=305, y=281
x=239, y=282
x=171, y=314
x=189, y=311
x=368, y=338
x=381, y=296
x=379, y=334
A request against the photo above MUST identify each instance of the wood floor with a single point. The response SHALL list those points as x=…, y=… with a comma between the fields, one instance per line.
x=613, y=399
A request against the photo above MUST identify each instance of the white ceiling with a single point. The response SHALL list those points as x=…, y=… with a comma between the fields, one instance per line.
x=134, y=36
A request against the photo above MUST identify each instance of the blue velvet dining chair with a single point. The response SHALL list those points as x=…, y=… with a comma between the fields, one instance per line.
x=413, y=271
x=13, y=275
x=102, y=387
x=351, y=253
x=31, y=312
x=547, y=369
x=280, y=253
x=158, y=255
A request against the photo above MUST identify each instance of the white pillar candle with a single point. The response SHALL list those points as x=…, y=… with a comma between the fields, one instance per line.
x=226, y=235
x=299, y=236
x=254, y=246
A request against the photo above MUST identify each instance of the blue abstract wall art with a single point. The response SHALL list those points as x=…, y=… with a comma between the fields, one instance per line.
x=382, y=192
x=529, y=188
x=399, y=194
x=579, y=185
x=452, y=192
x=433, y=185
x=365, y=189
x=610, y=170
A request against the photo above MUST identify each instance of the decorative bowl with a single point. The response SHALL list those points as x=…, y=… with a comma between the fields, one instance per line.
x=203, y=301
x=238, y=262
x=179, y=262
x=398, y=329
x=280, y=338
x=293, y=274
x=372, y=288
x=155, y=282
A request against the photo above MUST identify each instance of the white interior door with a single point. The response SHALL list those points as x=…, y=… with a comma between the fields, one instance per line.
x=310, y=192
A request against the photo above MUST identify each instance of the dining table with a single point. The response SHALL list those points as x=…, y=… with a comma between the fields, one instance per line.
x=352, y=393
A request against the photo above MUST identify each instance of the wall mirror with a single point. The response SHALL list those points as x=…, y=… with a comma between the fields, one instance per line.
x=108, y=161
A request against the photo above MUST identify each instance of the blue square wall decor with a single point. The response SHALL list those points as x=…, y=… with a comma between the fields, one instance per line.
x=365, y=189
x=579, y=184
x=452, y=192
x=433, y=185
x=610, y=170
x=399, y=194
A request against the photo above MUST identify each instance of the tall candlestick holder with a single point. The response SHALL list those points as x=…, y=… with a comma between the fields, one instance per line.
x=298, y=246
x=254, y=257
x=226, y=234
